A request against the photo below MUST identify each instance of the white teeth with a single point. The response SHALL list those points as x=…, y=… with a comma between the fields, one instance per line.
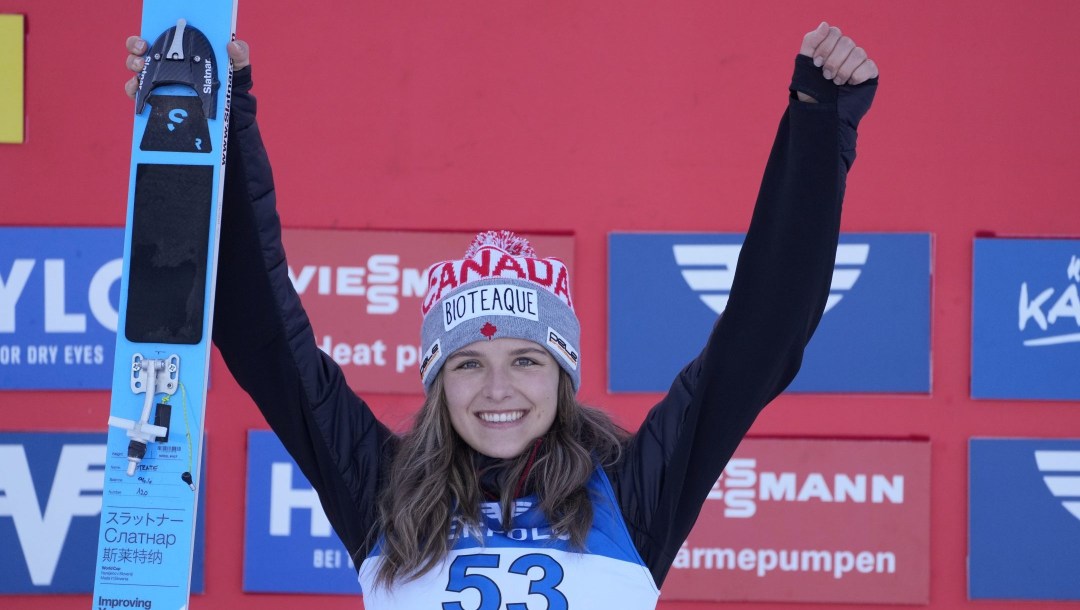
x=502, y=418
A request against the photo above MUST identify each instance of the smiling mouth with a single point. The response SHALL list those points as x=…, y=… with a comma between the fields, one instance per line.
x=503, y=417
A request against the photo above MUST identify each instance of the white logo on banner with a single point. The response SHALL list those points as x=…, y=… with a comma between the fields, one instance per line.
x=76, y=492
x=1064, y=486
x=57, y=318
x=710, y=270
x=1067, y=305
x=382, y=281
x=284, y=498
x=740, y=486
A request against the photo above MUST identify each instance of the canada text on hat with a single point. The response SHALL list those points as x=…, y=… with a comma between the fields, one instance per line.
x=497, y=254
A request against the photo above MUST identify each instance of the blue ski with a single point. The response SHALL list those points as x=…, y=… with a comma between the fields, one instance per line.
x=153, y=465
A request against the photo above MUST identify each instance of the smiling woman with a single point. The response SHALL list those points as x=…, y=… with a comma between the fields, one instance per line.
x=507, y=492
x=501, y=395
x=501, y=422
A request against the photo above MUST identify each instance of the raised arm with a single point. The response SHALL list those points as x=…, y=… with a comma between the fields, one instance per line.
x=777, y=298
x=266, y=339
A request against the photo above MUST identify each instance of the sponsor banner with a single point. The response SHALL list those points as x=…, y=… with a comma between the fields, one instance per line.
x=1025, y=339
x=1024, y=519
x=59, y=293
x=50, y=509
x=823, y=521
x=289, y=546
x=364, y=291
x=667, y=289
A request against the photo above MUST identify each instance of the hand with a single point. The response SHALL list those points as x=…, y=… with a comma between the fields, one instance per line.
x=238, y=50
x=840, y=60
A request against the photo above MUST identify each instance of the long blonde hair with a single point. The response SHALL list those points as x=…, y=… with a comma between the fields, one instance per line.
x=433, y=481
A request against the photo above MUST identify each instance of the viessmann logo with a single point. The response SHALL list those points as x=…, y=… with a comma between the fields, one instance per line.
x=382, y=280
x=709, y=270
x=1046, y=311
x=741, y=487
x=1061, y=473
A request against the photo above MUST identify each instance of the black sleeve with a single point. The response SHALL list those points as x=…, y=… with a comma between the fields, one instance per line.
x=267, y=342
x=755, y=349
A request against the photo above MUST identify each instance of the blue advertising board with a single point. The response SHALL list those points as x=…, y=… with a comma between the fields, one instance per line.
x=289, y=546
x=50, y=509
x=667, y=289
x=1024, y=519
x=59, y=293
x=1025, y=339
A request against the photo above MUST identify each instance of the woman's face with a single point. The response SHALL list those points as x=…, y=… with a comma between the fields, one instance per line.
x=502, y=394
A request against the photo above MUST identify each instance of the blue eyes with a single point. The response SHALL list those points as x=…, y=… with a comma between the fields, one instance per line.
x=475, y=364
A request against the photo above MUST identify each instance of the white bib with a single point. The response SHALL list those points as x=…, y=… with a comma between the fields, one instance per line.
x=527, y=568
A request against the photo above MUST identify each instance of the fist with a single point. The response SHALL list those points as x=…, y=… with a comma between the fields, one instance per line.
x=238, y=51
x=840, y=60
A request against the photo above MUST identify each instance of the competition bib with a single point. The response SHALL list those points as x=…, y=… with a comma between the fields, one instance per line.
x=527, y=567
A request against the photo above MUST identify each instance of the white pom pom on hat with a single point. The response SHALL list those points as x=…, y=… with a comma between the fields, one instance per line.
x=507, y=241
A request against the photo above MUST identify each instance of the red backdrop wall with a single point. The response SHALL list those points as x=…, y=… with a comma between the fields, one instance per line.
x=592, y=117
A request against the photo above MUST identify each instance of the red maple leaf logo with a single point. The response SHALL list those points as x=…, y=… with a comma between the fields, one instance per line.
x=488, y=330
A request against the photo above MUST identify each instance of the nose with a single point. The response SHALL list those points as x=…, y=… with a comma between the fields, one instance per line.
x=497, y=385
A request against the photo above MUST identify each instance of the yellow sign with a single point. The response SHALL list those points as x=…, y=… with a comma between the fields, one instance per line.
x=12, y=51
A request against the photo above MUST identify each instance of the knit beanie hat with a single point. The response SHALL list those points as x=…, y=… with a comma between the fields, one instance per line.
x=499, y=289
